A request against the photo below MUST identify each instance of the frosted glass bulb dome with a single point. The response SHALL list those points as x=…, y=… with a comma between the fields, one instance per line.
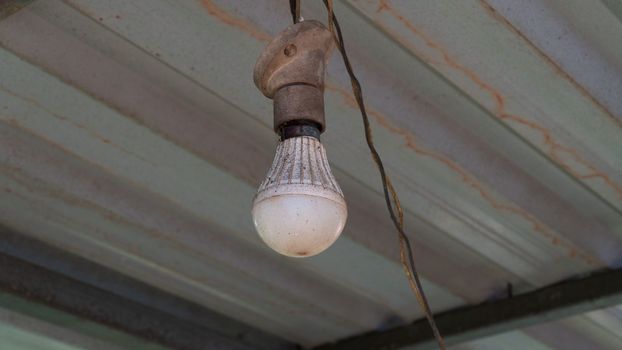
x=299, y=209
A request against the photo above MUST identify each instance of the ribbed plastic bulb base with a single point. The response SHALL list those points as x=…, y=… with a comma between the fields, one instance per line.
x=299, y=209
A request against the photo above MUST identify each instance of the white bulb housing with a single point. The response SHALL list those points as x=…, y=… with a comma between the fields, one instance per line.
x=299, y=209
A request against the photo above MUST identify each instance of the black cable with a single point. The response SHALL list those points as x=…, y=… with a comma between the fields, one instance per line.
x=294, y=8
x=411, y=271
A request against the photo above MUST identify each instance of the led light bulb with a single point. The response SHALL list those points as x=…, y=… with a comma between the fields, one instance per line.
x=299, y=209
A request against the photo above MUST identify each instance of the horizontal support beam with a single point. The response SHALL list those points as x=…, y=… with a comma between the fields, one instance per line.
x=37, y=322
x=43, y=275
x=568, y=298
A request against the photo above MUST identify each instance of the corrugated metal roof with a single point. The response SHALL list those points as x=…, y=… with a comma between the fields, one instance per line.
x=132, y=134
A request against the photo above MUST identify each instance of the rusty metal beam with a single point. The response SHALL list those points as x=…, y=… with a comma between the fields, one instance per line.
x=564, y=299
x=44, y=275
x=9, y=7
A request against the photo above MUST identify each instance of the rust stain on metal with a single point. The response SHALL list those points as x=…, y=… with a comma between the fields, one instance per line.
x=92, y=133
x=468, y=179
x=19, y=176
x=555, y=149
x=9, y=7
x=238, y=23
x=557, y=69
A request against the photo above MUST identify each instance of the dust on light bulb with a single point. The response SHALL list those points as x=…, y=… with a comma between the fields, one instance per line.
x=299, y=209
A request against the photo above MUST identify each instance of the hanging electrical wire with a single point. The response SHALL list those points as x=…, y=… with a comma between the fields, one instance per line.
x=294, y=6
x=390, y=195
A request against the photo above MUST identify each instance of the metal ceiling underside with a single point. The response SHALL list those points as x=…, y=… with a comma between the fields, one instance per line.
x=131, y=134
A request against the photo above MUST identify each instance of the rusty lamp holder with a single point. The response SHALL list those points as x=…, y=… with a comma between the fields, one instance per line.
x=290, y=71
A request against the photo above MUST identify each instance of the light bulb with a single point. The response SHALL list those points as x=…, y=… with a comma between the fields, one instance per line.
x=299, y=209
